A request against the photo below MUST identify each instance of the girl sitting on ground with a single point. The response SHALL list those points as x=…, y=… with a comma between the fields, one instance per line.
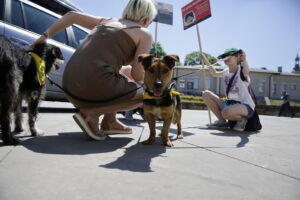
x=239, y=105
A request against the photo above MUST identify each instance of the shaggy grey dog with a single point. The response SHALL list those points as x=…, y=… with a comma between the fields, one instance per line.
x=19, y=81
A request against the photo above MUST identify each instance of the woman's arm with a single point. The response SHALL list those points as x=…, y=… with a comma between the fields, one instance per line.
x=67, y=20
x=143, y=47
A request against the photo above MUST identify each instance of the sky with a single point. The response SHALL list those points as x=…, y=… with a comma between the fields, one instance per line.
x=267, y=30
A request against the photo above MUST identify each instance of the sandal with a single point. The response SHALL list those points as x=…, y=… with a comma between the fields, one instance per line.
x=82, y=123
x=112, y=131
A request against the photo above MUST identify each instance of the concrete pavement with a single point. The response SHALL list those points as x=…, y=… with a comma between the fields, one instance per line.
x=206, y=164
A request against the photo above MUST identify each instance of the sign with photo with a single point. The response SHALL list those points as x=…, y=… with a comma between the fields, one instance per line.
x=164, y=13
x=195, y=12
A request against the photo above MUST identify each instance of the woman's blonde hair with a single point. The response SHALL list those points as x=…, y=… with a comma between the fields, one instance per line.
x=138, y=10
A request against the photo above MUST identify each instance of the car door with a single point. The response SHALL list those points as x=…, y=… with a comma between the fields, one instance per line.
x=1, y=17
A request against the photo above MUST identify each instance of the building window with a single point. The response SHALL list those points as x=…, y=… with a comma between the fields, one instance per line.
x=208, y=84
x=190, y=84
x=293, y=86
x=196, y=83
x=274, y=88
x=261, y=87
x=181, y=83
x=283, y=86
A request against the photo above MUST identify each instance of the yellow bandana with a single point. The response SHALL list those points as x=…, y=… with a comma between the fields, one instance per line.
x=147, y=96
x=40, y=68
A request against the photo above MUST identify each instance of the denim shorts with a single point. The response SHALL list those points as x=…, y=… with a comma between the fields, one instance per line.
x=227, y=103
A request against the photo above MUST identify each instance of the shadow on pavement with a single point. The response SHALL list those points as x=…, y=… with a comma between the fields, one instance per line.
x=137, y=158
x=134, y=122
x=173, y=131
x=229, y=133
x=73, y=143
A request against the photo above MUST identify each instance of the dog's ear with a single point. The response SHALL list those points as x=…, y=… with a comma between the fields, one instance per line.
x=56, y=52
x=171, y=60
x=146, y=60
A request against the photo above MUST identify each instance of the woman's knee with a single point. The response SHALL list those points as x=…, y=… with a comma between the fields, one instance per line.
x=206, y=95
x=126, y=71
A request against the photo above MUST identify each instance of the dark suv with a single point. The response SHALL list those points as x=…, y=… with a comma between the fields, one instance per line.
x=22, y=21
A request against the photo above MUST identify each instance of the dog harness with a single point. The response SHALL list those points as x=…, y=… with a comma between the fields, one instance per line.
x=164, y=100
x=40, y=68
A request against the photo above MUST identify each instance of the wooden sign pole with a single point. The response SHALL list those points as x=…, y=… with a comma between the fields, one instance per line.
x=204, y=72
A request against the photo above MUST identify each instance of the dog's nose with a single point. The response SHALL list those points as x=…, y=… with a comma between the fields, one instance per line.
x=158, y=84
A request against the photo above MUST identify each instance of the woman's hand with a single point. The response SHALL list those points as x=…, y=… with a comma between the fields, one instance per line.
x=42, y=39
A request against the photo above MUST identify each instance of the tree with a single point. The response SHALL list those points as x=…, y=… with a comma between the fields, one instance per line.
x=193, y=58
x=159, y=50
x=296, y=69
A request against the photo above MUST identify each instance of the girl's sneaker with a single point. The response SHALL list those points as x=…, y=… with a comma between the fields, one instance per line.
x=218, y=124
x=240, y=125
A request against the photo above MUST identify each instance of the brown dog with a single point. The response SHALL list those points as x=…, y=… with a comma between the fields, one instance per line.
x=160, y=101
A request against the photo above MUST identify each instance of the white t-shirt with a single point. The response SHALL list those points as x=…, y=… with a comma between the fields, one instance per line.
x=239, y=89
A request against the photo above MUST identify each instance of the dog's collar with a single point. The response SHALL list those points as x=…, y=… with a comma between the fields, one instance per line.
x=40, y=68
x=148, y=95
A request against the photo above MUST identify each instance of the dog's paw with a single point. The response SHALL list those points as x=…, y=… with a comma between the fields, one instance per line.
x=149, y=142
x=168, y=143
x=11, y=140
x=180, y=136
x=19, y=129
x=37, y=132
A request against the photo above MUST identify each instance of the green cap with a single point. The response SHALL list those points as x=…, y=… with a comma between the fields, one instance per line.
x=228, y=52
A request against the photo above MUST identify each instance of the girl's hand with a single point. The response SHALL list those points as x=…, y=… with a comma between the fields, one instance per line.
x=204, y=59
x=243, y=56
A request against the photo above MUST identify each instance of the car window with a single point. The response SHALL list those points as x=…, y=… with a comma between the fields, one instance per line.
x=16, y=16
x=1, y=9
x=79, y=35
x=38, y=21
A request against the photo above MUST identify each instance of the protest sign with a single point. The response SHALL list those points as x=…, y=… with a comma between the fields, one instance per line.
x=195, y=12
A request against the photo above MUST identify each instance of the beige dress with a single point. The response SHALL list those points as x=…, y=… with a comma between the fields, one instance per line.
x=92, y=77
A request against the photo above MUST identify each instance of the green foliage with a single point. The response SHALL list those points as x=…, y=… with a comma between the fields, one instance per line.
x=278, y=103
x=193, y=99
x=193, y=58
x=159, y=50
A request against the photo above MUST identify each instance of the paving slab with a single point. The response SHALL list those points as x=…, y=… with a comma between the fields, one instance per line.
x=206, y=164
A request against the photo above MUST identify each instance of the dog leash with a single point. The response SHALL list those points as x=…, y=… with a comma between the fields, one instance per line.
x=176, y=78
x=88, y=100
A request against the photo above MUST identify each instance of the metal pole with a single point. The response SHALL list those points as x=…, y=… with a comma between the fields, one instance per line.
x=155, y=40
x=204, y=73
x=156, y=27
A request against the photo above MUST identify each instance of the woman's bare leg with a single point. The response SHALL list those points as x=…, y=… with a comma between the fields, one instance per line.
x=214, y=103
x=111, y=110
x=235, y=112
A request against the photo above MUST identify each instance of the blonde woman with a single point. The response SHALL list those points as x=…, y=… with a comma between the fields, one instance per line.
x=104, y=76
